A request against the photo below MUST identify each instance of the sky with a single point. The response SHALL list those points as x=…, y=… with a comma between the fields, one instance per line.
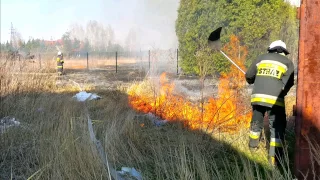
x=46, y=19
x=51, y=18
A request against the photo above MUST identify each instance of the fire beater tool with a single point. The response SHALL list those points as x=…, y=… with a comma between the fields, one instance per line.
x=215, y=44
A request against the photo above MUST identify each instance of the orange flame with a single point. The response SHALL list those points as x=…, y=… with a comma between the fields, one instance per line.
x=225, y=113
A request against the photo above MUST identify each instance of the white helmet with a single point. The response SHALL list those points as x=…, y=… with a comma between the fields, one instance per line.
x=278, y=46
x=59, y=53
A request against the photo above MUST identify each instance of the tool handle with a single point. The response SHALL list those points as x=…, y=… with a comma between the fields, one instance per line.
x=232, y=62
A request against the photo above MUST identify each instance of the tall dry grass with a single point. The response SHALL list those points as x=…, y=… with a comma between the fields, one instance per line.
x=53, y=141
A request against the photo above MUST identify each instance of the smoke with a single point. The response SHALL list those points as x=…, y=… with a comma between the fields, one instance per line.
x=99, y=36
x=150, y=22
x=159, y=16
x=134, y=24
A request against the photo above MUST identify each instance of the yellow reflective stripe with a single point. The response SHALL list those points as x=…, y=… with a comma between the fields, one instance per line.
x=267, y=99
x=254, y=135
x=275, y=63
x=275, y=142
x=267, y=96
x=276, y=76
x=59, y=66
x=271, y=68
x=272, y=160
x=265, y=65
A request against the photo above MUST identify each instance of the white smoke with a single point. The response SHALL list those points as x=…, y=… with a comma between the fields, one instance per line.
x=152, y=21
x=100, y=36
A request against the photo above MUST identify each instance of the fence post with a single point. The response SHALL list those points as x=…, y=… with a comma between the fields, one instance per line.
x=19, y=62
x=40, y=60
x=149, y=60
x=140, y=55
x=1, y=92
x=177, y=61
x=116, y=61
x=87, y=60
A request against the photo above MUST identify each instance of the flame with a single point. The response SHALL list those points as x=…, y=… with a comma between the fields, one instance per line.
x=225, y=113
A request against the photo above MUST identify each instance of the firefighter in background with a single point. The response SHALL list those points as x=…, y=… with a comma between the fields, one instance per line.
x=272, y=75
x=60, y=63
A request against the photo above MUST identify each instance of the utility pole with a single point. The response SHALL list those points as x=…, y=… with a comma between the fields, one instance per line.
x=12, y=35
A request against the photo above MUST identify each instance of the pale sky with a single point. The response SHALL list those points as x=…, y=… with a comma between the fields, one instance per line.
x=51, y=18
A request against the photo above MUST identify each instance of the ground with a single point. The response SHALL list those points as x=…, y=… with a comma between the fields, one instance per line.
x=53, y=142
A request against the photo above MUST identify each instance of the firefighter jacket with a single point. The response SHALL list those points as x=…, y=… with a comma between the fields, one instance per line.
x=272, y=75
x=60, y=61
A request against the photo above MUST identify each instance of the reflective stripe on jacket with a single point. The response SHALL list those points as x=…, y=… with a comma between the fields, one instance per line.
x=60, y=62
x=272, y=75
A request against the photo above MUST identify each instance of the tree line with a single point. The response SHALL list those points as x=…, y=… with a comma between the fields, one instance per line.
x=93, y=37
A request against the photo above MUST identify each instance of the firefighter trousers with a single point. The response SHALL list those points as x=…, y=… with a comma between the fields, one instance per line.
x=277, y=124
x=60, y=68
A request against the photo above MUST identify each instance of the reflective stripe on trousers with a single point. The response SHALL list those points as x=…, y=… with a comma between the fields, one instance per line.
x=277, y=124
x=276, y=148
x=254, y=139
x=275, y=142
x=255, y=135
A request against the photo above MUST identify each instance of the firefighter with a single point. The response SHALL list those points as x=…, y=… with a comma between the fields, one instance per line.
x=272, y=75
x=60, y=63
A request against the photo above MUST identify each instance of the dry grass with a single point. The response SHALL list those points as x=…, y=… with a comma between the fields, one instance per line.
x=46, y=144
x=290, y=102
x=53, y=141
x=99, y=63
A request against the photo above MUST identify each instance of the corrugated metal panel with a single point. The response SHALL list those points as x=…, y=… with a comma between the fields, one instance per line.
x=308, y=89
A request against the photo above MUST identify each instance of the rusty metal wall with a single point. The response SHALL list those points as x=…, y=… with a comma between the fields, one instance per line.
x=308, y=90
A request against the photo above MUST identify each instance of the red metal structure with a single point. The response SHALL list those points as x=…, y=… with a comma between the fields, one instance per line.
x=308, y=90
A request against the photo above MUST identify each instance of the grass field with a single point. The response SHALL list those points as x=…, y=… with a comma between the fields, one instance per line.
x=53, y=141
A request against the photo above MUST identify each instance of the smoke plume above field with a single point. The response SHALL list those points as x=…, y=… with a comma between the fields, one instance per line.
x=155, y=20
x=146, y=23
x=134, y=24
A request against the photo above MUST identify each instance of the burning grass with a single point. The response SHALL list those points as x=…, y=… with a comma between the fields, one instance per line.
x=228, y=112
x=223, y=114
